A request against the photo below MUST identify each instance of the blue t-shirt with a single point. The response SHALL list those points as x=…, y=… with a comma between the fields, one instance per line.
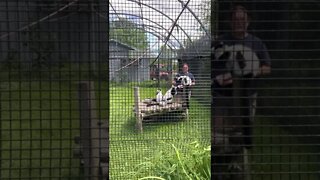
x=219, y=66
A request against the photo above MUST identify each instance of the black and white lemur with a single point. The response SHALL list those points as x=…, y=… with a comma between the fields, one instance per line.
x=181, y=82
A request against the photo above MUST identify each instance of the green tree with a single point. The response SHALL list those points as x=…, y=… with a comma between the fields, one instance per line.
x=129, y=33
x=205, y=12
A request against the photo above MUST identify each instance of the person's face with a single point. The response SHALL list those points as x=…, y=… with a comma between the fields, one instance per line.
x=239, y=21
x=185, y=68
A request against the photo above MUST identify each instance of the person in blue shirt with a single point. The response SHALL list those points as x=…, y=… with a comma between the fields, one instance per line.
x=187, y=84
x=232, y=131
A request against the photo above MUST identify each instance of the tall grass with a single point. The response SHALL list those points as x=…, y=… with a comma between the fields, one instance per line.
x=129, y=149
x=189, y=161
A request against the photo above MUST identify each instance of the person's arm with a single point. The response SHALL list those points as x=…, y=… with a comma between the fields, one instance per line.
x=264, y=70
x=265, y=61
x=224, y=79
x=174, y=82
x=193, y=80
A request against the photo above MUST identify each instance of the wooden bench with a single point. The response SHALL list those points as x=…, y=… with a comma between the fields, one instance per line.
x=146, y=110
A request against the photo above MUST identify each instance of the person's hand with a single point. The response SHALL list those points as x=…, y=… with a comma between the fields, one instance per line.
x=264, y=69
x=224, y=79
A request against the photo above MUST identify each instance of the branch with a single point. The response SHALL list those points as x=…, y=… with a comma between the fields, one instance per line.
x=40, y=20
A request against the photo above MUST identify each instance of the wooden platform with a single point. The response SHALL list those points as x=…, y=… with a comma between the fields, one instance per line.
x=145, y=109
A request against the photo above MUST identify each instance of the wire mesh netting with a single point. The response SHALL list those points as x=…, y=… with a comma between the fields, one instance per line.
x=53, y=89
x=173, y=89
x=265, y=125
x=159, y=88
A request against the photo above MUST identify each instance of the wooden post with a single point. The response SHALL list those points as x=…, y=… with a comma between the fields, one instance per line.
x=89, y=130
x=104, y=149
x=137, y=109
x=246, y=165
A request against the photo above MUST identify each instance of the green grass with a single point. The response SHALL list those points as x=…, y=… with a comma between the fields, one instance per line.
x=39, y=120
x=128, y=148
x=71, y=71
x=190, y=161
x=278, y=155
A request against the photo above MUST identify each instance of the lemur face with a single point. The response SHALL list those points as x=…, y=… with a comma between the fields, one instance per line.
x=173, y=91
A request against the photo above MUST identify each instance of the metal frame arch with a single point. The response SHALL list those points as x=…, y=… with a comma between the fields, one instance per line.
x=177, y=25
x=159, y=26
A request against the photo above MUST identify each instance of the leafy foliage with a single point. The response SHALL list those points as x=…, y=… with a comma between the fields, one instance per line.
x=205, y=11
x=129, y=33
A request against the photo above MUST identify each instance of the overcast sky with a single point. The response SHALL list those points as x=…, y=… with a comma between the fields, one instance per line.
x=162, y=24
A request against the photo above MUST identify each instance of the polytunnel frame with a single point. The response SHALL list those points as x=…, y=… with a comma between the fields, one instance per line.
x=153, y=32
x=175, y=24
x=184, y=6
x=142, y=18
x=159, y=27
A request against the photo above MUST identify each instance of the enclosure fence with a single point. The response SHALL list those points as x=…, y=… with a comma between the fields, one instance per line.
x=152, y=118
x=54, y=79
x=172, y=89
x=281, y=141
